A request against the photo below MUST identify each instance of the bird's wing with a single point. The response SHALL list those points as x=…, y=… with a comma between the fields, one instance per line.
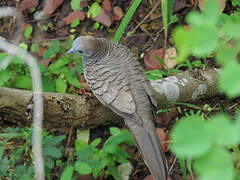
x=110, y=85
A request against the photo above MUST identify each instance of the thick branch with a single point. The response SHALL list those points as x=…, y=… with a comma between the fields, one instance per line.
x=66, y=110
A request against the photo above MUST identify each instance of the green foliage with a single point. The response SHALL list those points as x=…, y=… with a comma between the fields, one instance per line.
x=91, y=159
x=15, y=159
x=75, y=4
x=126, y=20
x=55, y=78
x=28, y=32
x=94, y=10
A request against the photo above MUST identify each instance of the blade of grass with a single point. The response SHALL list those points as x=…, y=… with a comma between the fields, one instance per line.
x=126, y=20
x=189, y=167
x=182, y=165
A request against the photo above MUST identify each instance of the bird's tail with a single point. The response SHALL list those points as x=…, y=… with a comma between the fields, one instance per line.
x=151, y=150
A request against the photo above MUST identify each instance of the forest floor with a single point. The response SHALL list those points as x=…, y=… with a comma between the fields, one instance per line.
x=144, y=36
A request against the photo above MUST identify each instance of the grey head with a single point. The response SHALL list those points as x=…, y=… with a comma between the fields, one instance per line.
x=90, y=47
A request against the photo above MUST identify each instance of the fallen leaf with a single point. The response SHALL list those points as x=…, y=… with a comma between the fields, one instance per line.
x=103, y=18
x=169, y=54
x=148, y=177
x=27, y=4
x=83, y=4
x=86, y=177
x=117, y=11
x=164, y=118
x=107, y=6
x=222, y=4
x=163, y=137
x=151, y=62
x=74, y=15
x=51, y=5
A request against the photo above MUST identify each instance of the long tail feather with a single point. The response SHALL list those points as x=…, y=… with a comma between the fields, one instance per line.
x=150, y=148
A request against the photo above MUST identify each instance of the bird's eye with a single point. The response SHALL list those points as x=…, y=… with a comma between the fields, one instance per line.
x=80, y=51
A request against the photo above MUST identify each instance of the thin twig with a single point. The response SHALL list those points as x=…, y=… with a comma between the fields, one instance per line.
x=153, y=9
x=37, y=94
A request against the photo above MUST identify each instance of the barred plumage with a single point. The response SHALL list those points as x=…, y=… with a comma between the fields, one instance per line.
x=118, y=81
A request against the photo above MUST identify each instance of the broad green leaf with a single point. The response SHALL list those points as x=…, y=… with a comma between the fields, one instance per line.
x=203, y=40
x=34, y=48
x=28, y=32
x=83, y=135
x=231, y=29
x=182, y=42
x=221, y=123
x=225, y=54
x=49, y=162
x=113, y=170
x=23, y=82
x=229, y=79
x=123, y=137
x=67, y=173
x=61, y=85
x=118, y=152
x=94, y=10
x=75, y=4
x=211, y=10
x=5, y=76
x=48, y=84
x=114, y=131
x=236, y=2
x=215, y=164
x=82, y=168
x=191, y=137
x=52, y=152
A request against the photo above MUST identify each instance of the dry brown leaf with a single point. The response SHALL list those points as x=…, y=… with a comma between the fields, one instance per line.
x=27, y=4
x=169, y=54
x=107, y=5
x=117, y=11
x=164, y=118
x=163, y=137
x=74, y=15
x=83, y=3
x=103, y=18
x=221, y=2
x=51, y=5
x=151, y=62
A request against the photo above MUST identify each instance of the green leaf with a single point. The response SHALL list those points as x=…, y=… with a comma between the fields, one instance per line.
x=60, y=63
x=182, y=42
x=123, y=137
x=61, y=85
x=229, y=79
x=53, y=141
x=54, y=48
x=118, y=152
x=216, y=164
x=225, y=54
x=114, y=131
x=235, y=2
x=221, y=123
x=72, y=78
x=94, y=10
x=52, y=152
x=191, y=137
x=126, y=20
x=67, y=173
x=231, y=29
x=5, y=76
x=203, y=40
x=34, y=48
x=82, y=168
x=75, y=4
x=75, y=23
x=95, y=142
x=49, y=162
x=23, y=82
x=113, y=170
x=28, y=32
x=48, y=84
x=83, y=135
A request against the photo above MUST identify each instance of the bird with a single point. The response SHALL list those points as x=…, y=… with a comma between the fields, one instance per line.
x=118, y=81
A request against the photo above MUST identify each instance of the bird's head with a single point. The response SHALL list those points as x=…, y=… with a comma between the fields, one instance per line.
x=88, y=46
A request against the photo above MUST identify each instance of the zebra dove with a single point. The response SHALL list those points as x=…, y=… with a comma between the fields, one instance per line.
x=117, y=79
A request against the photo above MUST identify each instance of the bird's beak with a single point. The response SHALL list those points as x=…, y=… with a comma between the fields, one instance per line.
x=70, y=51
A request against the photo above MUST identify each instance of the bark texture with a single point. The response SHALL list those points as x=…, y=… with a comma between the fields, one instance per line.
x=62, y=111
